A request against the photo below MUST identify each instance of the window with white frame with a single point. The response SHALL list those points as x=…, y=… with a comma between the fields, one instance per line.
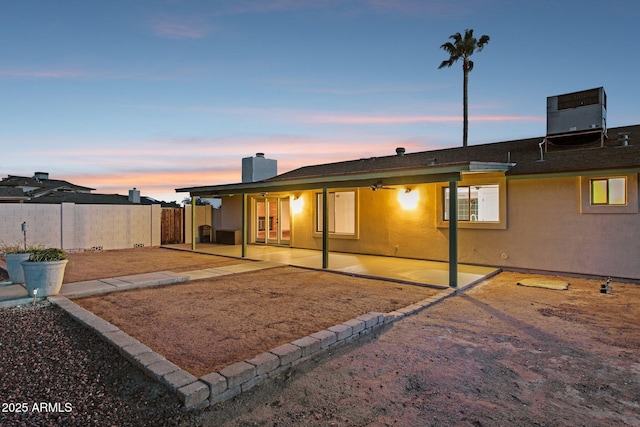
x=341, y=212
x=609, y=191
x=477, y=203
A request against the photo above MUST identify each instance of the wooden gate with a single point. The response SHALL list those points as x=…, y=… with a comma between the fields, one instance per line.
x=172, y=228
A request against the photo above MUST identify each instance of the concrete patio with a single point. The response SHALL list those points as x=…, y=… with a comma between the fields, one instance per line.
x=421, y=272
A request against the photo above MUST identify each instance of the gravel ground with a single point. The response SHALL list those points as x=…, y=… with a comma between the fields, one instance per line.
x=55, y=372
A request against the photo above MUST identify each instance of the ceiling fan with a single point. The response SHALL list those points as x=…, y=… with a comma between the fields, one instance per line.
x=378, y=186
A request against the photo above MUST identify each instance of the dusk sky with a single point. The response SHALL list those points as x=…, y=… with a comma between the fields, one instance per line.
x=160, y=95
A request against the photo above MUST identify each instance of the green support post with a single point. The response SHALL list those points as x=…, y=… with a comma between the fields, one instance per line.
x=244, y=225
x=453, y=234
x=325, y=230
x=193, y=223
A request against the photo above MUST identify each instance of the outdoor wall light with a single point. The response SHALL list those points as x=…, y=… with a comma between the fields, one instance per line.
x=297, y=204
x=408, y=199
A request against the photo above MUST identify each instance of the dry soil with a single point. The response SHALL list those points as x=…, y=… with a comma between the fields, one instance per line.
x=499, y=354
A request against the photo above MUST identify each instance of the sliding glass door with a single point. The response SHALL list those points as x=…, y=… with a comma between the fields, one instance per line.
x=272, y=222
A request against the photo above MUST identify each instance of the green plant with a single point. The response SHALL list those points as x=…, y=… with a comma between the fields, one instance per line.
x=17, y=248
x=47, y=254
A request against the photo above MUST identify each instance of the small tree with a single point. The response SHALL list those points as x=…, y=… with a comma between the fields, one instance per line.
x=463, y=48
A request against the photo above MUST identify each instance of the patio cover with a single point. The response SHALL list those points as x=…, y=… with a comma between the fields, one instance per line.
x=429, y=173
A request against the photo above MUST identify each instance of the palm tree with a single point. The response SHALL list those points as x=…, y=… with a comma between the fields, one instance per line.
x=463, y=48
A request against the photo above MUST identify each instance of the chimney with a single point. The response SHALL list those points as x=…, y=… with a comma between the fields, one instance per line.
x=134, y=195
x=400, y=151
x=39, y=176
x=258, y=168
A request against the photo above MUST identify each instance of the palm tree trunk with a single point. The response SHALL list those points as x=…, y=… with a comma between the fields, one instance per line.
x=465, y=102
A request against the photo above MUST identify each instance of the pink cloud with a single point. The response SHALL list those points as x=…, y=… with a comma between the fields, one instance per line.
x=158, y=184
x=42, y=74
x=157, y=167
x=381, y=6
x=180, y=28
x=248, y=6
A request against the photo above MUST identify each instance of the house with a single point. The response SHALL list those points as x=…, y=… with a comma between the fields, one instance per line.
x=12, y=195
x=41, y=189
x=564, y=202
x=40, y=185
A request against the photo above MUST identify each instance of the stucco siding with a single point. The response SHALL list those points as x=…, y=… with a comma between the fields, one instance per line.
x=545, y=229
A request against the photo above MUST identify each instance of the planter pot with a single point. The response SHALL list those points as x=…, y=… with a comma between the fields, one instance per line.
x=44, y=276
x=16, y=275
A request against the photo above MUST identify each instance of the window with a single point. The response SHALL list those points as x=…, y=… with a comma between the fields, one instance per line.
x=609, y=191
x=478, y=203
x=482, y=202
x=341, y=212
x=616, y=193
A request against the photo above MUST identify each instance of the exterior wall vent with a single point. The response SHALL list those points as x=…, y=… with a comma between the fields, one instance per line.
x=584, y=111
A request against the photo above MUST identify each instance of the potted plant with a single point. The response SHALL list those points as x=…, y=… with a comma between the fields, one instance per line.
x=44, y=271
x=13, y=255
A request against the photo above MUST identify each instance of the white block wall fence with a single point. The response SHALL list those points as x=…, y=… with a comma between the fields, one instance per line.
x=77, y=227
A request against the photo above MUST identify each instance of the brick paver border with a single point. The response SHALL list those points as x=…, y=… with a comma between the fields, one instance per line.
x=215, y=387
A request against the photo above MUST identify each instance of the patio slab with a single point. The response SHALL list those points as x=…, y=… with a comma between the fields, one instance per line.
x=244, y=267
x=91, y=287
x=11, y=295
x=406, y=270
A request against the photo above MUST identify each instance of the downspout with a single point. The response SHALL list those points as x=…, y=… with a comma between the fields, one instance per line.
x=453, y=234
x=325, y=230
x=193, y=223
x=244, y=225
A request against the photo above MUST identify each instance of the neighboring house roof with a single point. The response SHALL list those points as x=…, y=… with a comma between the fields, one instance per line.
x=36, y=187
x=571, y=155
x=12, y=195
x=41, y=189
x=82, y=199
x=96, y=199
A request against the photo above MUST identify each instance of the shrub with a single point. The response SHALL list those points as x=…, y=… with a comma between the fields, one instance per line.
x=18, y=248
x=47, y=254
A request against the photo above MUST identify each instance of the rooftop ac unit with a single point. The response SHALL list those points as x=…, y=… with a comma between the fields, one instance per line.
x=577, y=112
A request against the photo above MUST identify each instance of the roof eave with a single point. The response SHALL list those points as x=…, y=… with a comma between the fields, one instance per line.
x=576, y=172
x=398, y=176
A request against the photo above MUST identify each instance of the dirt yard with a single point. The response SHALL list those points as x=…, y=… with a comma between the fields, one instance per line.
x=91, y=265
x=499, y=354
x=208, y=324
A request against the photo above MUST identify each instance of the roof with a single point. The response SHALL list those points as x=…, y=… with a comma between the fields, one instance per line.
x=524, y=153
x=95, y=199
x=82, y=198
x=38, y=189
x=574, y=155
x=12, y=195
x=41, y=186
